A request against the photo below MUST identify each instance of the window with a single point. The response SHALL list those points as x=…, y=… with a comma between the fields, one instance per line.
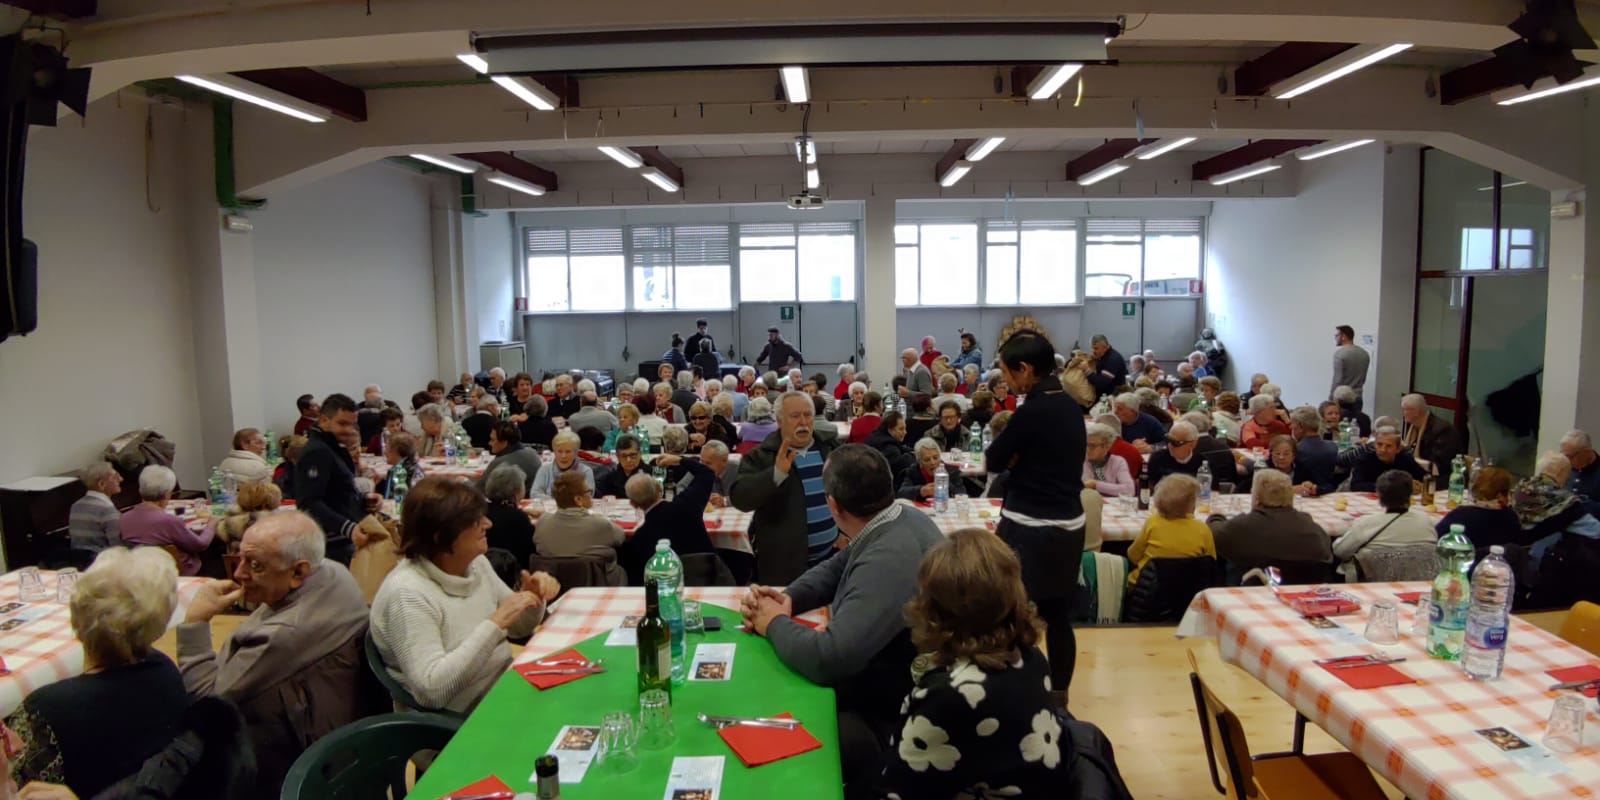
x=944, y=264
x=1462, y=203
x=680, y=266
x=1033, y=260
x=1141, y=258
x=576, y=270
x=812, y=261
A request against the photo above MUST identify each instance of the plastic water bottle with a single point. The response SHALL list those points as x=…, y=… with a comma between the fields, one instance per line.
x=1492, y=584
x=230, y=489
x=1204, y=477
x=667, y=570
x=941, y=490
x=1344, y=435
x=1458, y=482
x=463, y=448
x=449, y=448
x=272, y=448
x=214, y=486
x=1447, y=622
x=975, y=440
x=988, y=439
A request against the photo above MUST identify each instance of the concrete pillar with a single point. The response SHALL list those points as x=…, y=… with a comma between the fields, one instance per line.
x=1571, y=397
x=877, y=288
x=1397, y=274
x=449, y=275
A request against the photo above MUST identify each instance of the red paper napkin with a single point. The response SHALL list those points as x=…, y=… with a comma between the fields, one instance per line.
x=1371, y=676
x=1410, y=597
x=713, y=524
x=626, y=524
x=485, y=786
x=756, y=745
x=1581, y=673
x=547, y=681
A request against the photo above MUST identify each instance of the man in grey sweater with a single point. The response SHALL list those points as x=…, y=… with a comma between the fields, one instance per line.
x=865, y=652
x=1350, y=363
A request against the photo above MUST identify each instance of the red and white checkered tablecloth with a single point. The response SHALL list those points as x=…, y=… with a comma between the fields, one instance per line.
x=431, y=466
x=728, y=526
x=1117, y=525
x=582, y=613
x=45, y=650
x=1421, y=736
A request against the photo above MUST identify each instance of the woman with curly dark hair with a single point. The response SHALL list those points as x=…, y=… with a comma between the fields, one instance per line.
x=979, y=720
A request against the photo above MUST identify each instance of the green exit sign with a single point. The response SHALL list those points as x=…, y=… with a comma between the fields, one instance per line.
x=786, y=313
x=1127, y=309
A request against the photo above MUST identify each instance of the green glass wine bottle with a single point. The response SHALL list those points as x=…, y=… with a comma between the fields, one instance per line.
x=655, y=645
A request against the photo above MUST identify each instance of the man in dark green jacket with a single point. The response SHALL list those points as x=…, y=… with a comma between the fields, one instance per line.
x=781, y=481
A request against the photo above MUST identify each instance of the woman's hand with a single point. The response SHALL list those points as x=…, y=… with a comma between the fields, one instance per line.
x=926, y=490
x=541, y=584
x=512, y=608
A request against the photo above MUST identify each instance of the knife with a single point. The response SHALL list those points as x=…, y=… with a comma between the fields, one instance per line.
x=573, y=671
x=762, y=722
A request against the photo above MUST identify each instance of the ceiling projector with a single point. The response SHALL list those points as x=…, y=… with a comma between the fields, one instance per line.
x=804, y=201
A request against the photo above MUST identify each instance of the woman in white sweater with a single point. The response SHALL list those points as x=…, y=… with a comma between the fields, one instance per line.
x=441, y=618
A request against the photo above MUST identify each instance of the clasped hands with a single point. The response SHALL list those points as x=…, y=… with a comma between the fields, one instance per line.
x=538, y=588
x=762, y=604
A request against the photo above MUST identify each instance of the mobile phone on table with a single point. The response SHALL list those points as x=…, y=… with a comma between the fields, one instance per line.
x=713, y=623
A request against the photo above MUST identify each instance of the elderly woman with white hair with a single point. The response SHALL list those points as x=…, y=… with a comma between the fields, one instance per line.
x=669, y=413
x=917, y=484
x=149, y=523
x=90, y=731
x=436, y=427
x=761, y=421
x=94, y=523
x=847, y=376
x=1200, y=364
x=852, y=406
x=1263, y=423
x=1103, y=472
x=511, y=530
x=1272, y=533
x=1347, y=399
x=564, y=458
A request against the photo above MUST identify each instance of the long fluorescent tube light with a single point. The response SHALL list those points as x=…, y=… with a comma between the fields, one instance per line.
x=1163, y=147
x=955, y=173
x=805, y=149
x=448, y=162
x=256, y=94
x=623, y=156
x=516, y=184
x=660, y=179
x=1547, y=87
x=813, y=177
x=1047, y=83
x=1506, y=185
x=795, y=85
x=1356, y=58
x=1242, y=173
x=1328, y=149
x=984, y=147
x=528, y=91
x=1102, y=172
x=475, y=61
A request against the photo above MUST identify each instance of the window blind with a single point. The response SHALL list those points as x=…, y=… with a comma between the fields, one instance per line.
x=1172, y=227
x=700, y=244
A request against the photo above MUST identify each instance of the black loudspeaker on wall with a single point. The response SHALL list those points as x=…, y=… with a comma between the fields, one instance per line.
x=34, y=78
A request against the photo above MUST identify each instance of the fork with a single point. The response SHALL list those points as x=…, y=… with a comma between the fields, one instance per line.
x=1371, y=661
x=573, y=662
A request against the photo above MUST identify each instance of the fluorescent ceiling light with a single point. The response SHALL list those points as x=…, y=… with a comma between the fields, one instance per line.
x=1506, y=185
x=256, y=94
x=1329, y=148
x=475, y=61
x=1359, y=57
x=1047, y=83
x=1102, y=172
x=955, y=173
x=1243, y=172
x=984, y=147
x=1547, y=87
x=795, y=85
x=813, y=177
x=1161, y=148
x=529, y=91
x=515, y=184
x=448, y=162
x=660, y=179
x=623, y=156
x=805, y=149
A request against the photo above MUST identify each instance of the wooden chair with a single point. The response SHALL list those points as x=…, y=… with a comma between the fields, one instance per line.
x=1326, y=776
x=1582, y=626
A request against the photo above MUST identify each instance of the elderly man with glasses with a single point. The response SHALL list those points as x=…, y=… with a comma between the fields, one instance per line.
x=1182, y=455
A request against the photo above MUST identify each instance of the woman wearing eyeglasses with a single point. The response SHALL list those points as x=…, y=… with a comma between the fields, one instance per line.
x=703, y=427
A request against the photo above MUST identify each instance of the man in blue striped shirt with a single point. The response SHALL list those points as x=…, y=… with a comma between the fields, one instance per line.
x=781, y=481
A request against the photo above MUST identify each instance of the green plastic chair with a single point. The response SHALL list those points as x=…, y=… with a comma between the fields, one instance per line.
x=396, y=691
x=366, y=760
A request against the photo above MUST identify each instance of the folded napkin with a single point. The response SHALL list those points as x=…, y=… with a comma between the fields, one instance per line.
x=756, y=745
x=1580, y=673
x=1410, y=597
x=713, y=524
x=485, y=786
x=526, y=669
x=1369, y=676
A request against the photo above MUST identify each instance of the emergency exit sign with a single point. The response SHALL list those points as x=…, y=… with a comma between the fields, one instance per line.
x=1127, y=309
x=786, y=313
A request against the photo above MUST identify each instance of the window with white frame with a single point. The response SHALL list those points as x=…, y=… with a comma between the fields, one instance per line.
x=1141, y=258
x=580, y=269
x=682, y=267
x=809, y=261
x=936, y=264
x=1031, y=261
x=640, y=267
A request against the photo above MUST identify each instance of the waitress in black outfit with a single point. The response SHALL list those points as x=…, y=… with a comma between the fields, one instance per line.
x=1042, y=515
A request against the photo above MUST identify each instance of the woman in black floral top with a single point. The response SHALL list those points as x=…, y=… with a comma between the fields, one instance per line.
x=978, y=723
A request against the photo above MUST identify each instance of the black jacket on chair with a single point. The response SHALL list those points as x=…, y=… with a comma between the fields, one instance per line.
x=1167, y=585
x=682, y=521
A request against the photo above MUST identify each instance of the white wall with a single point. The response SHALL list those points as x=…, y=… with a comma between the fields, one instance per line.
x=345, y=287
x=113, y=350
x=1284, y=272
x=490, y=312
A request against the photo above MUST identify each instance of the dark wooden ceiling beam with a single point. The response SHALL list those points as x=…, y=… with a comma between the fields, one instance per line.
x=1255, y=77
x=1259, y=150
x=344, y=100
x=653, y=158
x=957, y=151
x=1106, y=153
x=59, y=9
x=510, y=164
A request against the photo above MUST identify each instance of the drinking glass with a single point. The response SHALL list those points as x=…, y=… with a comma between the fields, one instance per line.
x=655, y=720
x=1564, y=732
x=1128, y=504
x=31, y=584
x=66, y=580
x=619, y=742
x=1383, y=624
x=1419, y=620
x=693, y=622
